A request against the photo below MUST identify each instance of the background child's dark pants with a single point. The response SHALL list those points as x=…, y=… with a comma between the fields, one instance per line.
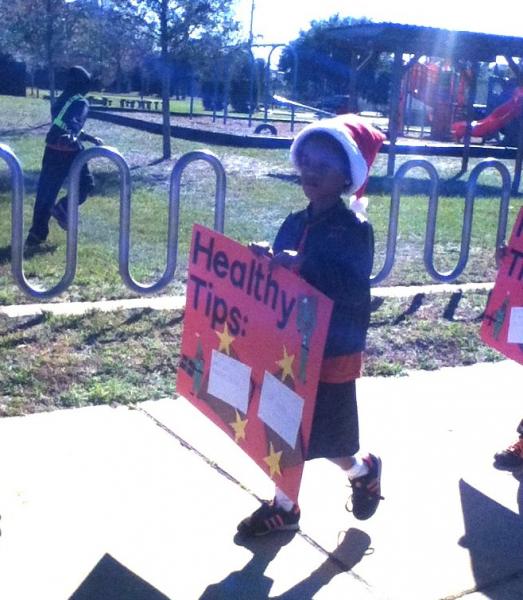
x=55, y=169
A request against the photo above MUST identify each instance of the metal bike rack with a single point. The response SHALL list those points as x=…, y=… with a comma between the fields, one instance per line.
x=173, y=221
x=430, y=232
x=490, y=163
x=17, y=220
x=17, y=235
x=392, y=233
x=468, y=214
x=17, y=243
x=17, y=227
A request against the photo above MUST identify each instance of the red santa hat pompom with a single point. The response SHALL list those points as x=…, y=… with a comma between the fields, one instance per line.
x=360, y=141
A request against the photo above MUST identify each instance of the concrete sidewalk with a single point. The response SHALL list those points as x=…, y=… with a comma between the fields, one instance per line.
x=112, y=503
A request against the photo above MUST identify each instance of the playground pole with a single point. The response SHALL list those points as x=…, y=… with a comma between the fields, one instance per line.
x=519, y=159
x=470, y=117
x=353, y=81
x=394, y=110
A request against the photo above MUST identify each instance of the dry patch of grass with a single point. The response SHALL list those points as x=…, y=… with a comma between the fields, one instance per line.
x=49, y=362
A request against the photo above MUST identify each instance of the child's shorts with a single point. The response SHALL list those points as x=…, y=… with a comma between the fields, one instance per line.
x=335, y=430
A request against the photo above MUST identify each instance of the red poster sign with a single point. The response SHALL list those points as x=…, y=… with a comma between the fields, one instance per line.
x=252, y=348
x=502, y=326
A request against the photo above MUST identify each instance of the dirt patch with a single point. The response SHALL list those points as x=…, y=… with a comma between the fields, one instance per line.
x=232, y=125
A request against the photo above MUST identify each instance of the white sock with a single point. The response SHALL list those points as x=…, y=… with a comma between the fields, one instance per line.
x=358, y=469
x=283, y=501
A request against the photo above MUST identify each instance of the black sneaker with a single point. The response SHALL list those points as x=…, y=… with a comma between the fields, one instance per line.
x=366, y=490
x=32, y=240
x=269, y=518
x=60, y=215
x=511, y=458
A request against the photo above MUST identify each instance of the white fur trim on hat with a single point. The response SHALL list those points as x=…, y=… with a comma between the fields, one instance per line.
x=335, y=127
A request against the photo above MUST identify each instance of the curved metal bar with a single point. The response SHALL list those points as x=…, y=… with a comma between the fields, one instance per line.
x=17, y=220
x=73, y=194
x=468, y=214
x=221, y=183
x=173, y=221
x=490, y=163
x=392, y=233
x=17, y=229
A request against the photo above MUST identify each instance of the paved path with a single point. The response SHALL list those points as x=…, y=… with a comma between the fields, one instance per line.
x=113, y=503
x=176, y=302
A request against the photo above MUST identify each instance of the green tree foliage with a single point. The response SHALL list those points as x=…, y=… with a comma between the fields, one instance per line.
x=324, y=59
x=37, y=31
x=111, y=39
x=246, y=80
x=107, y=37
x=176, y=25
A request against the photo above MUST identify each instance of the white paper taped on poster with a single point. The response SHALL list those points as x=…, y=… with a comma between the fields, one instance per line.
x=515, y=327
x=280, y=408
x=229, y=380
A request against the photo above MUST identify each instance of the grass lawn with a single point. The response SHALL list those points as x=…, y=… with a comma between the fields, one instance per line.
x=57, y=361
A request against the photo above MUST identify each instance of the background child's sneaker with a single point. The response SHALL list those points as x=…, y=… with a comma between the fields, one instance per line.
x=511, y=458
x=366, y=490
x=269, y=518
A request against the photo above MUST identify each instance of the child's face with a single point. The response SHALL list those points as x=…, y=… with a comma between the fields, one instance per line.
x=323, y=169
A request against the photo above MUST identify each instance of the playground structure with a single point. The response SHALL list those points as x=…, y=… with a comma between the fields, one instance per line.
x=112, y=154
x=440, y=76
x=449, y=87
x=443, y=90
x=495, y=121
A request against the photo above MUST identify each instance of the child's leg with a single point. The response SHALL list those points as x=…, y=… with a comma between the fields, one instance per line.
x=52, y=176
x=335, y=435
x=364, y=475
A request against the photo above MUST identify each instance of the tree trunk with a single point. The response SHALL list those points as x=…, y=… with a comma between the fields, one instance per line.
x=166, y=82
x=166, y=114
x=49, y=48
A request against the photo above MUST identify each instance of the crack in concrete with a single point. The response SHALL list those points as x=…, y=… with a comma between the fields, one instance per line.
x=344, y=568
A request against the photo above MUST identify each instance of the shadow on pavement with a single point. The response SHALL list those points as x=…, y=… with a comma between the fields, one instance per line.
x=350, y=551
x=494, y=538
x=110, y=580
x=251, y=583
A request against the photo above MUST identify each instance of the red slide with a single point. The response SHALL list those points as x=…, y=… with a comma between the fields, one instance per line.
x=498, y=118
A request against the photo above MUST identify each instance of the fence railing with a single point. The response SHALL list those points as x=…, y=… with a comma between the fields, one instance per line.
x=17, y=228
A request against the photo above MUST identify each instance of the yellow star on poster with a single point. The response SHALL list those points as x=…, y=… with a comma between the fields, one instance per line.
x=226, y=340
x=239, y=427
x=286, y=364
x=273, y=460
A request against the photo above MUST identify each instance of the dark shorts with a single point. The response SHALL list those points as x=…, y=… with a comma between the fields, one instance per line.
x=335, y=430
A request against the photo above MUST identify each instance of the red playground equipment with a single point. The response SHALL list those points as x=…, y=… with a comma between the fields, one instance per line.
x=442, y=89
x=497, y=119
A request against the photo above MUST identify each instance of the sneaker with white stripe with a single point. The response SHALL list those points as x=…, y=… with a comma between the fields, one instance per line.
x=270, y=518
x=366, y=490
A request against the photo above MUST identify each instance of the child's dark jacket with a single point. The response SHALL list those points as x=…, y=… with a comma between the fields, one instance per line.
x=73, y=119
x=337, y=254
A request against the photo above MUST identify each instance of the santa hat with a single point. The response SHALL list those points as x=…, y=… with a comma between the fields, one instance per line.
x=360, y=141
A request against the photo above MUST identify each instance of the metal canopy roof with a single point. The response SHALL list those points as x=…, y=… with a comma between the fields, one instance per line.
x=428, y=41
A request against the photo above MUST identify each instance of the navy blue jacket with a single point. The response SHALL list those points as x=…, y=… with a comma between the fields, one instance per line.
x=337, y=260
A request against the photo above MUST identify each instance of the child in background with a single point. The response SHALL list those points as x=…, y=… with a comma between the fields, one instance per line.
x=510, y=459
x=331, y=246
x=63, y=143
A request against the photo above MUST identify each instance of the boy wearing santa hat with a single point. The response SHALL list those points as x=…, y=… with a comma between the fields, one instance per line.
x=331, y=246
